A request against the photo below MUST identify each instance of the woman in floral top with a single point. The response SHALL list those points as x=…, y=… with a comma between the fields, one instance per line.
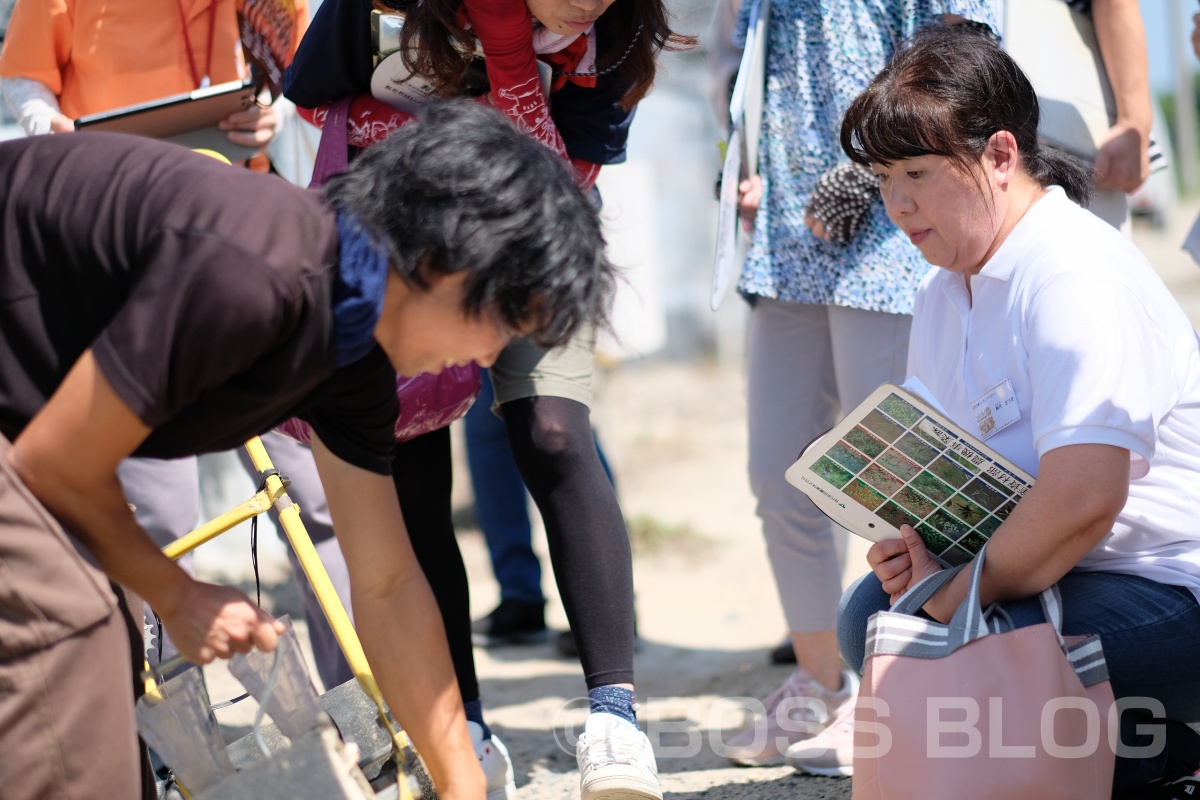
x=829, y=323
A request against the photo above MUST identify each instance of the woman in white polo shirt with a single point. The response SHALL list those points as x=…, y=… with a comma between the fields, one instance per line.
x=1040, y=301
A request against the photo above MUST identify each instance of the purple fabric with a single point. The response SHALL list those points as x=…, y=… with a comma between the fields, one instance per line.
x=427, y=402
x=333, y=154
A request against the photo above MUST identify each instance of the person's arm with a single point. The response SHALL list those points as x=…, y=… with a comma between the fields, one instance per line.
x=35, y=107
x=68, y=456
x=368, y=120
x=1079, y=492
x=1122, y=160
x=505, y=31
x=399, y=623
x=37, y=49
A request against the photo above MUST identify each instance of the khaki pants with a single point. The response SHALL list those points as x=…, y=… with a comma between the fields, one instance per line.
x=526, y=370
x=67, y=645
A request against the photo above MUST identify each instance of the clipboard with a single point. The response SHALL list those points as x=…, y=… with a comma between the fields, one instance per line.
x=189, y=119
x=1057, y=49
x=741, y=151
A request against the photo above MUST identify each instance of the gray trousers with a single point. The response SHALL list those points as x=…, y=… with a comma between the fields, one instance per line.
x=806, y=366
x=166, y=496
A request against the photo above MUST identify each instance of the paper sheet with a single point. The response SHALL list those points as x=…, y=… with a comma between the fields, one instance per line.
x=741, y=153
x=1192, y=243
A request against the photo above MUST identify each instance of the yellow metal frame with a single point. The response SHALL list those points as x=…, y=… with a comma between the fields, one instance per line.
x=274, y=495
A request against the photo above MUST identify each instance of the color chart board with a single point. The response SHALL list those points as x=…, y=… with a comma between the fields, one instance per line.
x=894, y=460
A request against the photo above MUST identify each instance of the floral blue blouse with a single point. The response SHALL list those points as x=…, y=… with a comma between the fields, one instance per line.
x=821, y=55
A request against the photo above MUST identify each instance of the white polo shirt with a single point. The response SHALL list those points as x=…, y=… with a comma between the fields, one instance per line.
x=1096, y=351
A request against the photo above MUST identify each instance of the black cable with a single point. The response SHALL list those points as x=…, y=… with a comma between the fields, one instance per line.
x=254, y=559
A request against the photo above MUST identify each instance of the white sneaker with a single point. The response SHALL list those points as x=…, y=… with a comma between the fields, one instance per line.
x=797, y=710
x=615, y=761
x=830, y=752
x=497, y=766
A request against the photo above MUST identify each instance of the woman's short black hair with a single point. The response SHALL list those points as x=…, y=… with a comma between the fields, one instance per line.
x=462, y=190
x=946, y=92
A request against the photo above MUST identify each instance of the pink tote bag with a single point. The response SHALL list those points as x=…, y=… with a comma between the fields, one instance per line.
x=977, y=709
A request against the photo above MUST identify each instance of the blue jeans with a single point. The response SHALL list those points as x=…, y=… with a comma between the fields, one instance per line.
x=1151, y=638
x=501, y=505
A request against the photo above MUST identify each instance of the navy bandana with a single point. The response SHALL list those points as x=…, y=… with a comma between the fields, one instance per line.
x=357, y=291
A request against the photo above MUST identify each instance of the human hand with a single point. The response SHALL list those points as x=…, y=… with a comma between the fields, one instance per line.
x=840, y=202
x=253, y=127
x=901, y=564
x=1196, y=34
x=207, y=621
x=750, y=193
x=62, y=124
x=818, y=230
x=1122, y=160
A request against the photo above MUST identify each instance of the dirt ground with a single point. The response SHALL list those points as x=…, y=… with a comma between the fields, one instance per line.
x=707, y=608
x=706, y=602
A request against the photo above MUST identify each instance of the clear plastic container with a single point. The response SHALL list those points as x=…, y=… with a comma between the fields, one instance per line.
x=290, y=699
x=179, y=725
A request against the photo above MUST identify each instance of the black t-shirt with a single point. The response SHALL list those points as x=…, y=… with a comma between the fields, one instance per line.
x=334, y=61
x=203, y=290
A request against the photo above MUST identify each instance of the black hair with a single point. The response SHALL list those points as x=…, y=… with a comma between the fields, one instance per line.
x=434, y=42
x=946, y=92
x=461, y=189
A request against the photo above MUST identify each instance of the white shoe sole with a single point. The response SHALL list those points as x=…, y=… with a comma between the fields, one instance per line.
x=758, y=761
x=621, y=793
x=828, y=772
x=508, y=792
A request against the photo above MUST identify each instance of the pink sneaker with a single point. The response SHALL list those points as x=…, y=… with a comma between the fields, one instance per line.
x=796, y=711
x=830, y=752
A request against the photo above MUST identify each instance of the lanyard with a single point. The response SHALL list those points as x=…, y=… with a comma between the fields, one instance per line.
x=201, y=80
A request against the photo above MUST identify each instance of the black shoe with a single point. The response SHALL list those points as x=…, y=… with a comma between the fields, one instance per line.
x=783, y=653
x=564, y=643
x=513, y=622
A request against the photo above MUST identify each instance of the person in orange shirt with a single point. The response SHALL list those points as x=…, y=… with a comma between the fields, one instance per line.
x=64, y=59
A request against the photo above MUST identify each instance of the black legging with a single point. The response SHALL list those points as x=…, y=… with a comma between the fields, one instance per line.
x=552, y=443
x=551, y=439
x=422, y=473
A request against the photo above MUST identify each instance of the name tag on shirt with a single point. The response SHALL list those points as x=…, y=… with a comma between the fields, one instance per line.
x=995, y=409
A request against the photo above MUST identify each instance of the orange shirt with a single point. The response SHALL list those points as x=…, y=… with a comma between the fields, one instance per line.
x=97, y=55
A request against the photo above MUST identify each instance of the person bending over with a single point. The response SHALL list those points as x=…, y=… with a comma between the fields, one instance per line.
x=157, y=302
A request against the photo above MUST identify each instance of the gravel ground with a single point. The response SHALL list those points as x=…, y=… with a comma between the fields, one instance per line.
x=706, y=602
x=707, y=609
